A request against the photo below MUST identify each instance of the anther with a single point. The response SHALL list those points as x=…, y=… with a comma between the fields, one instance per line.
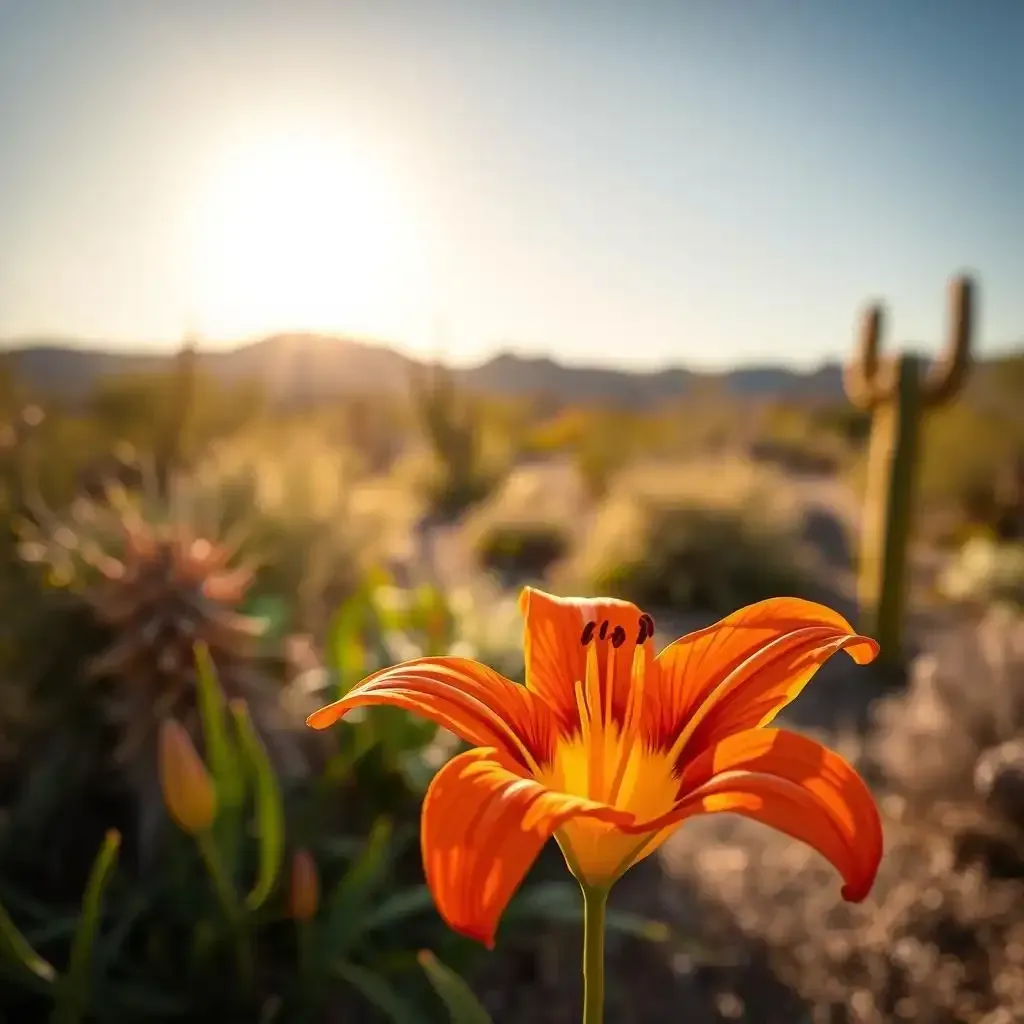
x=618, y=636
x=588, y=633
x=604, y=629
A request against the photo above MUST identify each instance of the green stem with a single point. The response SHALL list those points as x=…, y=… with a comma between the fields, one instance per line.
x=595, y=901
x=229, y=902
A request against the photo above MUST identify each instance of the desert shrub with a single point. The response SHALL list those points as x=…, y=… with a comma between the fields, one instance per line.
x=529, y=523
x=986, y=571
x=800, y=438
x=451, y=421
x=522, y=550
x=709, y=537
x=605, y=450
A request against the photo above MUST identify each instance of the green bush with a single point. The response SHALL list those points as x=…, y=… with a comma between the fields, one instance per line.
x=680, y=544
x=519, y=551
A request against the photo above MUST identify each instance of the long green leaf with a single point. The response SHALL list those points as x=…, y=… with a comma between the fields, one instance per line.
x=463, y=1006
x=15, y=948
x=350, y=899
x=108, y=947
x=406, y=903
x=269, y=808
x=221, y=757
x=346, y=646
x=378, y=993
x=74, y=989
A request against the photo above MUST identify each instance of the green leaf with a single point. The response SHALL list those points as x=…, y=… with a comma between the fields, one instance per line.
x=108, y=947
x=15, y=948
x=404, y=904
x=348, y=902
x=269, y=808
x=346, y=646
x=223, y=763
x=560, y=901
x=73, y=991
x=377, y=991
x=463, y=1006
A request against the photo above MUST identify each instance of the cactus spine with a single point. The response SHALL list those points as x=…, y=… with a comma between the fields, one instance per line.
x=897, y=391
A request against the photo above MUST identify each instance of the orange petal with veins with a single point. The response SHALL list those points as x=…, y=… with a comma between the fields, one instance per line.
x=742, y=671
x=483, y=827
x=469, y=699
x=795, y=785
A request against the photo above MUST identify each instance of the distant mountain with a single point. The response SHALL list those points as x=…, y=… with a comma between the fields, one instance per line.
x=305, y=367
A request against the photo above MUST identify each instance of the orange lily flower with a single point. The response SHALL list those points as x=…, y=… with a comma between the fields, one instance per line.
x=609, y=748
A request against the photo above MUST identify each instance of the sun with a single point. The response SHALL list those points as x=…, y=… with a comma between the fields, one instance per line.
x=302, y=233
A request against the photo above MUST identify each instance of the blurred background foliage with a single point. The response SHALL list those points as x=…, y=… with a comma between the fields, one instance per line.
x=305, y=547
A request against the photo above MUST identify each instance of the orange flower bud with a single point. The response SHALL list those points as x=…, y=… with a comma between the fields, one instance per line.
x=187, y=788
x=304, y=896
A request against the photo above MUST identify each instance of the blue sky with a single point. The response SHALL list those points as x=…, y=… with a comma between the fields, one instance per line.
x=704, y=182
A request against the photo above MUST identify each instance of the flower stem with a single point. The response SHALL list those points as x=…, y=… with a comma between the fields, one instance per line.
x=595, y=901
x=230, y=905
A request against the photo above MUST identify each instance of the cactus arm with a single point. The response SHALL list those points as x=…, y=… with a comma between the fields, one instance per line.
x=946, y=376
x=867, y=378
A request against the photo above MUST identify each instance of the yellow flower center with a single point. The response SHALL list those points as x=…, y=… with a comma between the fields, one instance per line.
x=607, y=761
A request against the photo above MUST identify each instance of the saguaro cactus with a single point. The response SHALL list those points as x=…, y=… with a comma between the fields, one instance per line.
x=897, y=390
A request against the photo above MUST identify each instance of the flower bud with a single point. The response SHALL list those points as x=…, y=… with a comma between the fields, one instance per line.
x=187, y=788
x=304, y=896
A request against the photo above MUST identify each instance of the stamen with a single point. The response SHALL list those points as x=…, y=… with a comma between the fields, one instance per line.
x=596, y=745
x=632, y=720
x=584, y=713
x=609, y=681
x=604, y=630
x=618, y=637
x=588, y=633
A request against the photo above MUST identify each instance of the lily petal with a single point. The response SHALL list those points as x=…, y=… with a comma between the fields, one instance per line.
x=742, y=671
x=795, y=785
x=471, y=700
x=483, y=827
x=555, y=647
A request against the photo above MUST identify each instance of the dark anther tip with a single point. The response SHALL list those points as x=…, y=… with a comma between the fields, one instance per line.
x=646, y=629
x=604, y=629
x=618, y=636
x=588, y=633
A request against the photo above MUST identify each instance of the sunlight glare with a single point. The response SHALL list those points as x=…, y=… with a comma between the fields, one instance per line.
x=301, y=234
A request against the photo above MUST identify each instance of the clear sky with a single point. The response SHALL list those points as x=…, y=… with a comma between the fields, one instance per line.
x=704, y=182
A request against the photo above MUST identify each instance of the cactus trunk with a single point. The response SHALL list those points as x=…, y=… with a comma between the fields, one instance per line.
x=888, y=511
